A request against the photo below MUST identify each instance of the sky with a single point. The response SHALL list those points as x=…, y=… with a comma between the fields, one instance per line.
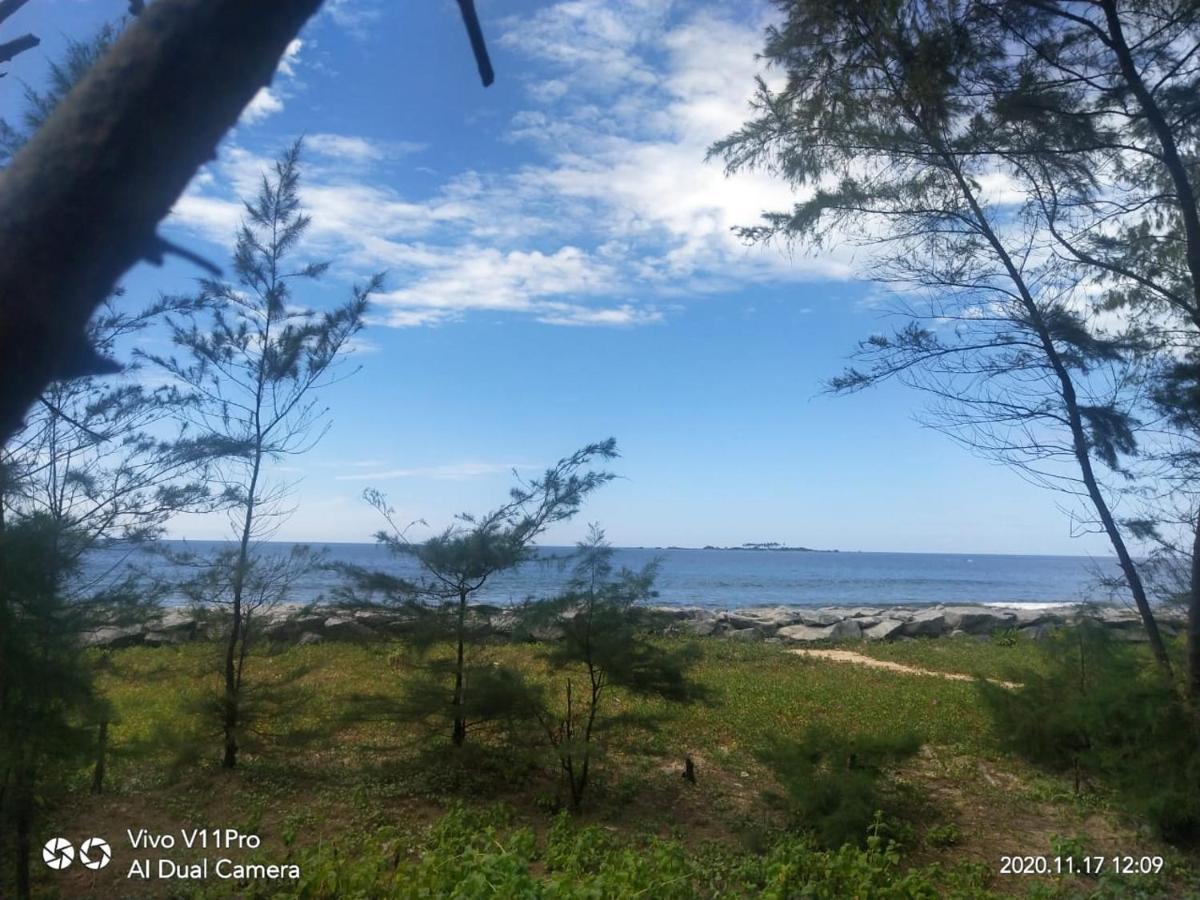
x=560, y=268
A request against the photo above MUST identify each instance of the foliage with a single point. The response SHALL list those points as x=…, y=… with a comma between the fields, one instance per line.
x=884, y=127
x=462, y=690
x=598, y=635
x=1096, y=711
x=254, y=367
x=478, y=854
x=831, y=780
x=48, y=703
x=94, y=466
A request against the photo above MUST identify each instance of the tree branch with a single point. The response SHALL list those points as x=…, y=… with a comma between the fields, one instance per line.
x=9, y=49
x=8, y=7
x=80, y=202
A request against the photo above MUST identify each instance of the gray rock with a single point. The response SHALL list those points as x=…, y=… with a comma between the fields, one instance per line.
x=846, y=630
x=926, y=623
x=1028, y=617
x=746, y=634
x=309, y=637
x=885, y=630
x=347, y=628
x=176, y=620
x=759, y=617
x=804, y=633
x=819, y=618
x=698, y=627
x=977, y=620
x=114, y=636
x=161, y=638
x=288, y=629
x=1040, y=631
x=861, y=612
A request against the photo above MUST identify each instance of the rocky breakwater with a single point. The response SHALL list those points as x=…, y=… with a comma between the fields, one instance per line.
x=833, y=624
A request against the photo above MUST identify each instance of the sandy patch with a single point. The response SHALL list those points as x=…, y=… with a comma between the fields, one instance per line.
x=849, y=656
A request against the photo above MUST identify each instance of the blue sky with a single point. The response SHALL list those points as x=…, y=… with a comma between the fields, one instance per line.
x=561, y=269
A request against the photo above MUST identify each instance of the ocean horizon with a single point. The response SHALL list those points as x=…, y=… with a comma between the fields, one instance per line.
x=723, y=578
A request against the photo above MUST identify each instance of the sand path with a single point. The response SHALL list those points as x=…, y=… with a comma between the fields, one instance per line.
x=849, y=656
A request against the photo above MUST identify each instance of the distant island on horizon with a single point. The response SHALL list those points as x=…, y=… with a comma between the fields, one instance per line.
x=768, y=545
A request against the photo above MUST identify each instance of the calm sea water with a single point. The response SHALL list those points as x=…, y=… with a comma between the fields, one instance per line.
x=725, y=579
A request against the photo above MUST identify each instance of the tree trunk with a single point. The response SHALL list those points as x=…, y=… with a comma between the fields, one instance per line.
x=109, y=164
x=1193, y=624
x=1189, y=212
x=23, y=814
x=233, y=671
x=101, y=753
x=1079, y=438
x=460, y=719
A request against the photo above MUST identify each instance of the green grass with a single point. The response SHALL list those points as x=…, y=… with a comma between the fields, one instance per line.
x=962, y=654
x=358, y=797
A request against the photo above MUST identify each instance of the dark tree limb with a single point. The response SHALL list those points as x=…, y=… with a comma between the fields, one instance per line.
x=80, y=202
x=9, y=49
x=8, y=7
x=478, y=47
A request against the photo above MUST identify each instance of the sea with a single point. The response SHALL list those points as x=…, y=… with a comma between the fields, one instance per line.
x=721, y=579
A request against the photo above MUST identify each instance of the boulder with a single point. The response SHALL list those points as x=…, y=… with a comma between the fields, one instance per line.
x=926, y=623
x=745, y=634
x=287, y=629
x=820, y=618
x=804, y=633
x=861, y=612
x=977, y=619
x=1027, y=617
x=347, y=628
x=759, y=617
x=162, y=638
x=698, y=627
x=884, y=630
x=846, y=630
x=115, y=636
x=1040, y=631
x=175, y=620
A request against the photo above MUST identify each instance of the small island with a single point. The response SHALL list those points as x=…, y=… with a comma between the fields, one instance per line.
x=770, y=545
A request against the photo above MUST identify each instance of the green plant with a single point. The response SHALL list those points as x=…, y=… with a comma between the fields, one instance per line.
x=1096, y=711
x=947, y=835
x=831, y=780
x=1006, y=637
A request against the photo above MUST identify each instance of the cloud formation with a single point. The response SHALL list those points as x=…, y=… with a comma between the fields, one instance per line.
x=614, y=219
x=454, y=472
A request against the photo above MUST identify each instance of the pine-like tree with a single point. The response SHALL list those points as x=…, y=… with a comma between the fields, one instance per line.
x=600, y=630
x=256, y=367
x=459, y=688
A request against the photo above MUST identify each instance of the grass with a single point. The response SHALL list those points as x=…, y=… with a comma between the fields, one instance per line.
x=332, y=785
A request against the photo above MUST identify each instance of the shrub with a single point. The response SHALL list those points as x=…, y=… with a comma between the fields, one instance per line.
x=831, y=780
x=1100, y=711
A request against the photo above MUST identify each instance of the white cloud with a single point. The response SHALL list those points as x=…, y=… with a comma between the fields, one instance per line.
x=265, y=103
x=613, y=220
x=269, y=99
x=455, y=472
x=354, y=149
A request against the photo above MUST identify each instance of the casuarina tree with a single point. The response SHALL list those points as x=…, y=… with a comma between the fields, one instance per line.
x=257, y=361
x=599, y=640
x=456, y=688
